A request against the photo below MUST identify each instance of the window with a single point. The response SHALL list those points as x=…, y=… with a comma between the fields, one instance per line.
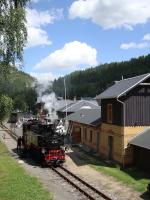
x=77, y=129
x=91, y=135
x=109, y=113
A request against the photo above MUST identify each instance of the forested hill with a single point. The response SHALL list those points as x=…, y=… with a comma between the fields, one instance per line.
x=93, y=81
x=19, y=87
x=15, y=82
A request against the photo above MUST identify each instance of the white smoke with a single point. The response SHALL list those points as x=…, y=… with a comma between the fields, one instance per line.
x=51, y=104
x=43, y=89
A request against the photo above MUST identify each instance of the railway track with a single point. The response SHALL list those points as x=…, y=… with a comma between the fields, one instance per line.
x=85, y=188
x=11, y=133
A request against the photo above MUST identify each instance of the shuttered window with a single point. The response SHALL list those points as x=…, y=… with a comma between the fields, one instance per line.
x=109, y=113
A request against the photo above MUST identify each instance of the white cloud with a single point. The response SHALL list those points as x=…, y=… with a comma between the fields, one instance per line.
x=37, y=36
x=38, y=18
x=112, y=13
x=139, y=45
x=147, y=37
x=43, y=77
x=133, y=45
x=35, y=21
x=73, y=54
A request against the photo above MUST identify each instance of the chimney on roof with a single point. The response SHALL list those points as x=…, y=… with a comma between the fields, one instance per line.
x=118, y=81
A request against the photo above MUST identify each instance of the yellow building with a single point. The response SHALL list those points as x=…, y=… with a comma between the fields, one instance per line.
x=85, y=129
x=125, y=113
x=122, y=132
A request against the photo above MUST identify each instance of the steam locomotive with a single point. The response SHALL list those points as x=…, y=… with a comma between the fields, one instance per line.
x=43, y=143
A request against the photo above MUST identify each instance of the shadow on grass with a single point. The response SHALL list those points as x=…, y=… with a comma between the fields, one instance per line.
x=145, y=196
x=90, y=158
x=27, y=159
x=130, y=176
x=80, y=158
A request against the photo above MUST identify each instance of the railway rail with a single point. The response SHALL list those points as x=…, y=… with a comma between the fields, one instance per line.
x=88, y=190
x=85, y=188
x=10, y=132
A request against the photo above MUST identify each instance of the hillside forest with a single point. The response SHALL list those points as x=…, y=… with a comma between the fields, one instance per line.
x=17, y=92
x=92, y=81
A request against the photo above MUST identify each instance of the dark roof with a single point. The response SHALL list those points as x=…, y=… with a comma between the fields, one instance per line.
x=142, y=139
x=121, y=87
x=81, y=105
x=86, y=116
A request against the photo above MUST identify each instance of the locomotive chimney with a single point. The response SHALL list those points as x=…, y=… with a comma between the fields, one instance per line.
x=40, y=110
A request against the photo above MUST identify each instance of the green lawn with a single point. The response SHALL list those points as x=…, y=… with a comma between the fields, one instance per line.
x=132, y=177
x=15, y=184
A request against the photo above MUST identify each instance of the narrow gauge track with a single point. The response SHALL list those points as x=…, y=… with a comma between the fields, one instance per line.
x=88, y=190
x=75, y=181
x=11, y=133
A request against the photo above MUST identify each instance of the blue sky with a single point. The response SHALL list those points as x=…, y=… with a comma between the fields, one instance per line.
x=68, y=35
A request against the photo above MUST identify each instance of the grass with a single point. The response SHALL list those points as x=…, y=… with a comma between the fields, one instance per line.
x=15, y=184
x=131, y=177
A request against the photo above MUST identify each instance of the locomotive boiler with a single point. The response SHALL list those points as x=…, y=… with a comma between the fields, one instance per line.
x=43, y=143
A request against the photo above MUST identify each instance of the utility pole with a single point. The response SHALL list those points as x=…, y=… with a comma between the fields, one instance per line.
x=65, y=95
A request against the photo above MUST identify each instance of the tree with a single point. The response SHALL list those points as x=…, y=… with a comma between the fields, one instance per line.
x=6, y=106
x=20, y=104
x=13, y=32
x=30, y=96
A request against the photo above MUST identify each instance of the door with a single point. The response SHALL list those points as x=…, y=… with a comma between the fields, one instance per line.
x=76, y=135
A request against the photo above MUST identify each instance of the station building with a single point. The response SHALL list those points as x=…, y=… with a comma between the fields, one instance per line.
x=124, y=128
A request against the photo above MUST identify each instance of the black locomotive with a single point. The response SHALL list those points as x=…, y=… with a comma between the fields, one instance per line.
x=43, y=143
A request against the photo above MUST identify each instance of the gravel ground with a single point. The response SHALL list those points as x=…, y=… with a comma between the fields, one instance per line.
x=62, y=190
